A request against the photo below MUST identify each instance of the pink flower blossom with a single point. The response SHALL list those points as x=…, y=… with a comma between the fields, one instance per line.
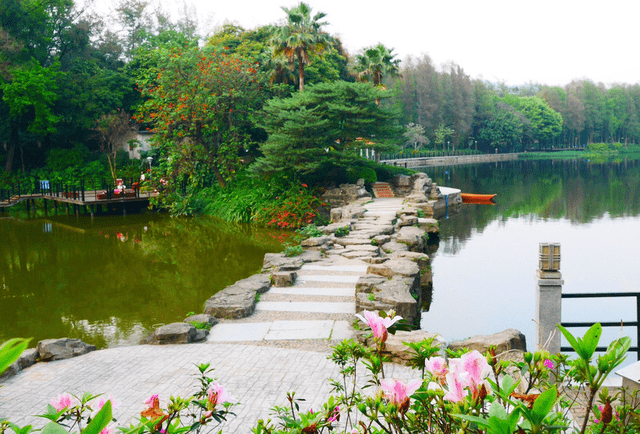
x=218, y=395
x=378, y=324
x=151, y=401
x=63, y=401
x=335, y=416
x=107, y=430
x=397, y=392
x=456, y=382
x=102, y=401
x=548, y=364
x=437, y=366
x=475, y=365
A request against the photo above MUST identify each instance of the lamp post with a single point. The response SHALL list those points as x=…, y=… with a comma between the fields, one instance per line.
x=149, y=159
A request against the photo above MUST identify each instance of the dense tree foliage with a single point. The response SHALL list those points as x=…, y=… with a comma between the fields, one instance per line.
x=284, y=98
x=322, y=129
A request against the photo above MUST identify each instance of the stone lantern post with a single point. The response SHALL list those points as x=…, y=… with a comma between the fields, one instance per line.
x=549, y=297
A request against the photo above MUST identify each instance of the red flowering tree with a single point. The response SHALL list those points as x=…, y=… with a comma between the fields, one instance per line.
x=198, y=102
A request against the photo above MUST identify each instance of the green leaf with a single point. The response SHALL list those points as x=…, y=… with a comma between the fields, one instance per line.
x=497, y=410
x=543, y=405
x=572, y=341
x=590, y=341
x=100, y=421
x=54, y=428
x=10, y=351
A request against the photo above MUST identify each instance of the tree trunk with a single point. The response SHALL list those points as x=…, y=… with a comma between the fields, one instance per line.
x=301, y=73
x=13, y=142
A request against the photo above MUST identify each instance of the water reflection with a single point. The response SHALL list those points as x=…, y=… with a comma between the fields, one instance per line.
x=487, y=255
x=108, y=280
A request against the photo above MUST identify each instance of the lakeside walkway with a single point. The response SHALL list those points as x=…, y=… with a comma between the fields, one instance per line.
x=258, y=359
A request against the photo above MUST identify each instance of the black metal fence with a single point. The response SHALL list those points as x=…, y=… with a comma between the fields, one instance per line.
x=635, y=323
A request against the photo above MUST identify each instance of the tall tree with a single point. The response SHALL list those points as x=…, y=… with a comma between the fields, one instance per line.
x=375, y=63
x=323, y=128
x=301, y=38
x=199, y=103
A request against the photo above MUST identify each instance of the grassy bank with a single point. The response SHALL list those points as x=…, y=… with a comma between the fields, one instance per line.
x=594, y=151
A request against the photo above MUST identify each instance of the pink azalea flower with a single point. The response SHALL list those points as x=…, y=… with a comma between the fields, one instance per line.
x=437, y=366
x=456, y=382
x=475, y=365
x=102, y=401
x=63, y=401
x=548, y=364
x=397, y=392
x=336, y=414
x=378, y=324
x=107, y=430
x=218, y=395
x=151, y=401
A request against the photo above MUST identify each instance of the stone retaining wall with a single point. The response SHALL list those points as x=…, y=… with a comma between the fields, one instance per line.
x=450, y=161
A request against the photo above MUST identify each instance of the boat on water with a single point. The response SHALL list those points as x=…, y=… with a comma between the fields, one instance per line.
x=486, y=199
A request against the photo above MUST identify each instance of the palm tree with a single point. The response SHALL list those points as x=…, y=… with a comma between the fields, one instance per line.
x=300, y=38
x=376, y=62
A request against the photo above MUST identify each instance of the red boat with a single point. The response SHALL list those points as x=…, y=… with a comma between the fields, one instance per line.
x=485, y=199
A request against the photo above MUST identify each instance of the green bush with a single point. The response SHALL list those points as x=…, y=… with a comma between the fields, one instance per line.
x=367, y=173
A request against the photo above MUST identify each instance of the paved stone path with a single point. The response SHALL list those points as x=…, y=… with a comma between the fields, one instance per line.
x=321, y=302
x=318, y=311
x=258, y=376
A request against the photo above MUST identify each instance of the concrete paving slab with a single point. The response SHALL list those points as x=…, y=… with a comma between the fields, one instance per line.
x=311, y=307
x=326, y=278
x=342, y=330
x=305, y=290
x=290, y=330
x=250, y=331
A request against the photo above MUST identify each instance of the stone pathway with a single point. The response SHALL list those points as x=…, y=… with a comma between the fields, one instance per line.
x=321, y=302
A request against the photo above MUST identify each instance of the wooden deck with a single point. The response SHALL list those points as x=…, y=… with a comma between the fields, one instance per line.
x=89, y=198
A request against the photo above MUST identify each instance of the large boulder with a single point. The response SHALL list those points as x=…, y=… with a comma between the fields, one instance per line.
x=395, y=267
x=239, y=299
x=413, y=237
x=279, y=262
x=398, y=293
x=60, y=349
x=510, y=339
x=398, y=352
x=345, y=194
x=201, y=318
x=174, y=333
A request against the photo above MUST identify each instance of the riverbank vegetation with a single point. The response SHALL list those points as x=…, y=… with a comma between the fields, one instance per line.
x=278, y=105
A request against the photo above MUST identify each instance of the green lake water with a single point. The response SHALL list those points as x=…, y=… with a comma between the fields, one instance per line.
x=109, y=280
x=485, y=264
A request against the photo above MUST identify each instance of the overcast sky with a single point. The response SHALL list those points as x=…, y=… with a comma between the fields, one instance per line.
x=515, y=41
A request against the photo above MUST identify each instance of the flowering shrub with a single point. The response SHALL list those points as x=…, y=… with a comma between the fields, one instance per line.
x=292, y=209
x=466, y=392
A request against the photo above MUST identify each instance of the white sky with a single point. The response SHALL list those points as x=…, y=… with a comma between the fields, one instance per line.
x=515, y=41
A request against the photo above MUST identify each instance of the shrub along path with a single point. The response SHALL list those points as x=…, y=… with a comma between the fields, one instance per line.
x=313, y=314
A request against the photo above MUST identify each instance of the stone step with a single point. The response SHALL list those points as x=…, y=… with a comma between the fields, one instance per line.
x=304, y=306
x=341, y=268
x=280, y=330
x=303, y=278
x=382, y=189
x=310, y=290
